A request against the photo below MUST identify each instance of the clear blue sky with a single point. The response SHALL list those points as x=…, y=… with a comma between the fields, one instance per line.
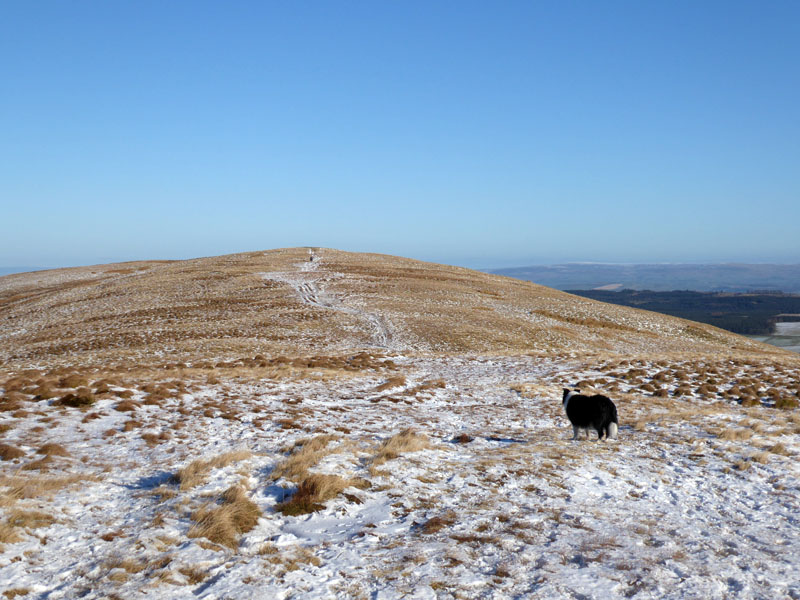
x=475, y=133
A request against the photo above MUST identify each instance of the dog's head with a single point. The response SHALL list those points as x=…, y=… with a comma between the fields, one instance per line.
x=567, y=393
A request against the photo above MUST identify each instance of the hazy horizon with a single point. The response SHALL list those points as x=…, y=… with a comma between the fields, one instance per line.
x=477, y=264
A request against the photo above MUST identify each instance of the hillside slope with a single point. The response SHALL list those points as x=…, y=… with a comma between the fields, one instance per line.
x=309, y=423
x=303, y=301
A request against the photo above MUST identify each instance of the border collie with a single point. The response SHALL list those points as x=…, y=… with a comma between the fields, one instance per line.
x=590, y=412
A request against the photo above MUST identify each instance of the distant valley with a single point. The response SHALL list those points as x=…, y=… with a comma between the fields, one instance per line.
x=727, y=277
x=747, y=299
x=770, y=318
x=746, y=314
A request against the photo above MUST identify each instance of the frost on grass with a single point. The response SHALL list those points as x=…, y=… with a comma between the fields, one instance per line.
x=472, y=488
x=406, y=441
x=196, y=472
x=373, y=470
x=313, y=490
x=305, y=454
x=226, y=519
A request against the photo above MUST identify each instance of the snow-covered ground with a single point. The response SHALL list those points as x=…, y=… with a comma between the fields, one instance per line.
x=697, y=499
x=310, y=286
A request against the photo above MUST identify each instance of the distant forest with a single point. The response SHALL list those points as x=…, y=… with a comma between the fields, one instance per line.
x=750, y=314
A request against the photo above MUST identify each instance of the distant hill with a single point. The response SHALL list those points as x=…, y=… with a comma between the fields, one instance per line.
x=729, y=277
x=311, y=423
x=304, y=301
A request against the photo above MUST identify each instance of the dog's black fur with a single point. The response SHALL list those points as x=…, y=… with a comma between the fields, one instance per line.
x=596, y=412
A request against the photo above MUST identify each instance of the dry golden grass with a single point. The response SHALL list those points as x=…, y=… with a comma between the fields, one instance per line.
x=757, y=426
x=778, y=449
x=583, y=320
x=11, y=401
x=44, y=392
x=302, y=556
x=786, y=402
x=153, y=439
x=268, y=549
x=392, y=382
x=9, y=452
x=736, y=435
x=53, y=450
x=128, y=565
x=405, y=441
x=436, y=524
x=111, y=535
x=225, y=521
x=127, y=406
x=42, y=464
x=9, y=534
x=117, y=576
x=29, y=519
x=315, y=489
x=81, y=398
x=223, y=306
x=312, y=491
x=305, y=454
x=196, y=472
x=73, y=381
x=19, y=519
x=534, y=390
x=426, y=386
x=193, y=575
x=35, y=486
x=289, y=559
x=759, y=457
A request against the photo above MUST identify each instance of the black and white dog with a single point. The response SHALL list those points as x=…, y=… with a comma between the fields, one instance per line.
x=591, y=412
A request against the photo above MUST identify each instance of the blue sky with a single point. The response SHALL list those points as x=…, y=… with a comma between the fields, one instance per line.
x=474, y=133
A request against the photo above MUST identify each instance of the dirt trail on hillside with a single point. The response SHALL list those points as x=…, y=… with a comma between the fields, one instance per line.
x=308, y=282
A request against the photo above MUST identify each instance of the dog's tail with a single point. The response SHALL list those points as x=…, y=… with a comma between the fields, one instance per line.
x=613, y=426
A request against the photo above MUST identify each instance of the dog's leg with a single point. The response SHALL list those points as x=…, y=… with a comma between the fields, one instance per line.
x=575, y=432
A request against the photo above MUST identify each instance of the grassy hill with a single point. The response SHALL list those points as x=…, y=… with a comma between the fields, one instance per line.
x=321, y=424
x=237, y=306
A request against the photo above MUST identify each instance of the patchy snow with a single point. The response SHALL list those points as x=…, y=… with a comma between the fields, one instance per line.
x=310, y=287
x=513, y=509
